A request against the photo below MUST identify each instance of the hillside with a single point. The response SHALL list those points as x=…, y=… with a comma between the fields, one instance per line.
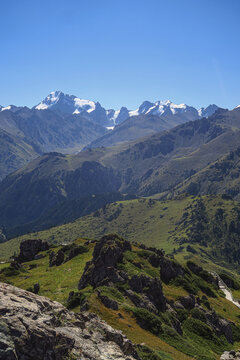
x=147, y=166
x=142, y=125
x=15, y=152
x=221, y=176
x=176, y=308
x=49, y=130
x=203, y=228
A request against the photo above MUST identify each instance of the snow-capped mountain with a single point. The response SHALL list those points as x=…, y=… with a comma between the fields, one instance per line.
x=208, y=111
x=158, y=108
x=70, y=104
x=12, y=108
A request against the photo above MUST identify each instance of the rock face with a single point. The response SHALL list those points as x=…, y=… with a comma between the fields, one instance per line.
x=152, y=289
x=102, y=269
x=230, y=355
x=30, y=248
x=33, y=327
x=109, y=303
x=56, y=258
x=169, y=270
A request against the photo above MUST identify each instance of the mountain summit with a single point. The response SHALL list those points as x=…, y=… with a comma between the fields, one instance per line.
x=71, y=104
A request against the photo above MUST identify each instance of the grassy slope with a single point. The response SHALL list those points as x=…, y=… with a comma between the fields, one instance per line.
x=144, y=220
x=154, y=223
x=57, y=282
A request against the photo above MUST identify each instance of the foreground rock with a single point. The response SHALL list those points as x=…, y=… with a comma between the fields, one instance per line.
x=228, y=355
x=33, y=327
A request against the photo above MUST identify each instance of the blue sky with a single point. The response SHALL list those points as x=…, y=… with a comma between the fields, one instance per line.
x=121, y=52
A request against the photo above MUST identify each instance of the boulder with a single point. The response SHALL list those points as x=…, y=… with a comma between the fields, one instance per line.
x=154, y=260
x=141, y=301
x=219, y=325
x=30, y=248
x=169, y=270
x=56, y=258
x=151, y=287
x=188, y=302
x=109, y=303
x=36, y=288
x=34, y=327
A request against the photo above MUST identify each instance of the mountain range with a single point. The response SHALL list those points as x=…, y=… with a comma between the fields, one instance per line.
x=166, y=178
x=158, y=163
x=66, y=123
x=70, y=104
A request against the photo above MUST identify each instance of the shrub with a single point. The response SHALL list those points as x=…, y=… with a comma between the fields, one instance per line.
x=146, y=353
x=182, y=314
x=235, y=332
x=199, y=328
x=75, y=300
x=148, y=321
x=198, y=314
x=111, y=293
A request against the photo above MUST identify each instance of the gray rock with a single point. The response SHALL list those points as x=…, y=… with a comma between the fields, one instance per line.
x=169, y=270
x=188, y=301
x=56, y=258
x=109, y=303
x=33, y=327
x=30, y=248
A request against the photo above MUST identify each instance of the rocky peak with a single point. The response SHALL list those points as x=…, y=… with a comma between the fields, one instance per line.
x=107, y=254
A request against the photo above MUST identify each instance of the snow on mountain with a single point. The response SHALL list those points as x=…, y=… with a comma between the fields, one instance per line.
x=238, y=106
x=6, y=108
x=12, y=108
x=158, y=108
x=70, y=104
x=208, y=111
x=59, y=98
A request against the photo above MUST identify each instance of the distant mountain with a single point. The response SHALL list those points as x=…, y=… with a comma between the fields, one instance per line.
x=49, y=130
x=161, y=108
x=145, y=120
x=12, y=108
x=71, y=104
x=219, y=177
x=145, y=124
x=208, y=111
x=15, y=152
x=150, y=165
x=26, y=133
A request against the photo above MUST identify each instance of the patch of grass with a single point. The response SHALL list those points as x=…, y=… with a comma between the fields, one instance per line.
x=111, y=293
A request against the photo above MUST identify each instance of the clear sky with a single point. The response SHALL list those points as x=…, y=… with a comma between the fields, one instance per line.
x=121, y=52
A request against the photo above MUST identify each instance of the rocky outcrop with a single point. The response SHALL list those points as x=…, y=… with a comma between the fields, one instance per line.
x=230, y=355
x=30, y=248
x=152, y=288
x=103, y=267
x=169, y=270
x=35, y=328
x=188, y=302
x=109, y=303
x=220, y=326
x=56, y=258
